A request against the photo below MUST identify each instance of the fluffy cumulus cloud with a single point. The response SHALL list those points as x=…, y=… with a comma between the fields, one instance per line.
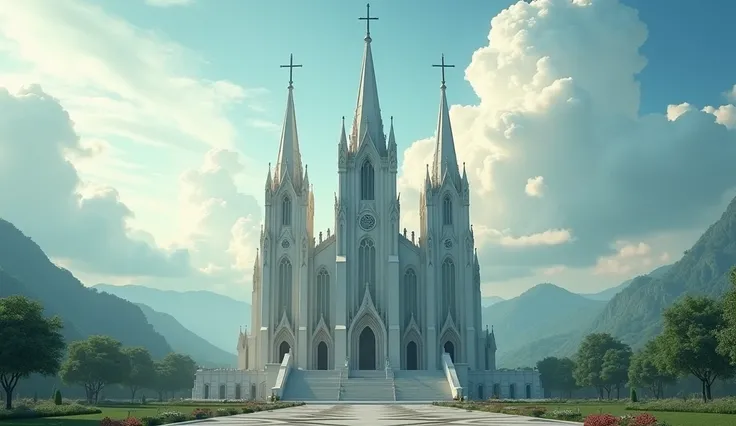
x=559, y=116
x=39, y=193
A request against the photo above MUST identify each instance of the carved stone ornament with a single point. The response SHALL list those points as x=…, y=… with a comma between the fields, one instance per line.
x=265, y=251
x=304, y=251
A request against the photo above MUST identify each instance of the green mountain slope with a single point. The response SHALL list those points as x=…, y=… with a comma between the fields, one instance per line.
x=88, y=311
x=542, y=311
x=634, y=315
x=184, y=341
x=214, y=317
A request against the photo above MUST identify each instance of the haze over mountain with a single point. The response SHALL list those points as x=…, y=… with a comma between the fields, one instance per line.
x=211, y=316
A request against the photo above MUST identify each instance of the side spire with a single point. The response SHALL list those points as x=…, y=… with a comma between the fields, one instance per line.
x=367, y=124
x=289, y=159
x=445, y=158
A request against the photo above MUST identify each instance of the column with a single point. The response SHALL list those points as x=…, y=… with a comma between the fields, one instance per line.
x=341, y=307
x=302, y=343
x=264, y=343
x=394, y=317
x=432, y=351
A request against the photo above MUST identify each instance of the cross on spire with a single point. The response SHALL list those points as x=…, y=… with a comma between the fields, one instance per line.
x=368, y=18
x=291, y=67
x=442, y=66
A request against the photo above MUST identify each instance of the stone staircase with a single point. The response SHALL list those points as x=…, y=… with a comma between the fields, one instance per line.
x=312, y=385
x=368, y=386
x=422, y=385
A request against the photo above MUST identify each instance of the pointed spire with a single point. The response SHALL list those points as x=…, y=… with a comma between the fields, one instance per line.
x=391, y=136
x=343, y=136
x=367, y=124
x=289, y=160
x=269, y=180
x=445, y=158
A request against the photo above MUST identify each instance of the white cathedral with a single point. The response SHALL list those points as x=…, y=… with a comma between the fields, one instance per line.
x=367, y=297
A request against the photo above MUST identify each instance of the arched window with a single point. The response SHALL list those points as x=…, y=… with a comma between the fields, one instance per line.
x=238, y=392
x=367, y=181
x=206, y=391
x=285, y=285
x=448, y=286
x=222, y=394
x=447, y=210
x=286, y=211
x=410, y=296
x=323, y=296
x=367, y=267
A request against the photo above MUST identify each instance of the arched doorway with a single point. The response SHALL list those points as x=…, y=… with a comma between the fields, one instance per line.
x=222, y=392
x=252, y=391
x=450, y=349
x=367, y=350
x=322, y=356
x=238, y=392
x=206, y=391
x=528, y=391
x=512, y=391
x=480, y=392
x=283, y=350
x=412, y=356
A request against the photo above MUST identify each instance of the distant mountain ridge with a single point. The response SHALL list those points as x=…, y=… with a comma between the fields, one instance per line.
x=213, y=317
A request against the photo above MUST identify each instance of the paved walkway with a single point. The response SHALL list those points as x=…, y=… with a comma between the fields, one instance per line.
x=376, y=415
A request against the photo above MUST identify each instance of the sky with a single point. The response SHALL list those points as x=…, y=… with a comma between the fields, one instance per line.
x=135, y=136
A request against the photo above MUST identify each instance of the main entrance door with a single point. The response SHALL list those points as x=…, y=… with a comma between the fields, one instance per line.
x=367, y=350
x=411, y=356
x=322, y=356
x=450, y=349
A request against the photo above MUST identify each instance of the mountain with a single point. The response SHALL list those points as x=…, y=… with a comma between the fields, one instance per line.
x=85, y=312
x=634, y=315
x=184, y=341
x=490, y=301
x=214, y=317
x=608, y=293
x=542, y=311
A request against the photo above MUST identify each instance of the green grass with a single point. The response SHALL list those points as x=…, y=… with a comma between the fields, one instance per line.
x=113, y=412
x=673, y=418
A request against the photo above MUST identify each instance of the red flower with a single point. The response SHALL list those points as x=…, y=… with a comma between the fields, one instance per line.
x=601, y=420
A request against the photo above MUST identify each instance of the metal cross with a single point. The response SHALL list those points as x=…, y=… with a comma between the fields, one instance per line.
x=368, y=18
x=443, y=66
x=291, y=67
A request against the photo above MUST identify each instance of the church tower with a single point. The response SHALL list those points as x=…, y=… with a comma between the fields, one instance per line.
x=367, y=231
x=447, y=241
x=286, y=240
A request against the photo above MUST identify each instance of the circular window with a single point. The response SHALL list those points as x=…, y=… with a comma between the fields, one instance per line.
x=285, y=244
x=367, y=222
x=448, y=243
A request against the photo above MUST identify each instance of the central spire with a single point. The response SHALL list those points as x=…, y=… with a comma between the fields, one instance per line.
x=445, y=158
x=289, y=159
x=367, y=125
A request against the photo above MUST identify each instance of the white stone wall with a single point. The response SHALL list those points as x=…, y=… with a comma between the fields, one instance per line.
x=501, y=382
x=263, y=381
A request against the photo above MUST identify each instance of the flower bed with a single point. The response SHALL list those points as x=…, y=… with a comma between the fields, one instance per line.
x=717, y=406
x=528, y=410
x=643, y=419
x=27, y=409
x=198, y=413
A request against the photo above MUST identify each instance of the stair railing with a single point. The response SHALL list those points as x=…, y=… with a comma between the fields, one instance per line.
x=390, y=375
x=344, y=370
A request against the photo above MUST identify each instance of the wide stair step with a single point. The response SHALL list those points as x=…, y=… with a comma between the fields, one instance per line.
x=422, y=385
x=312, y=385
x=367, y=386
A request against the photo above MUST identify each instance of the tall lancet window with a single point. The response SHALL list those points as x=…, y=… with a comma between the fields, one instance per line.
x=367, y=268
x=286, y=211
x=448, y=287
x=285, y=288
x=323, y=297
x=411, y=296
x=367, y=181
x=447, y=210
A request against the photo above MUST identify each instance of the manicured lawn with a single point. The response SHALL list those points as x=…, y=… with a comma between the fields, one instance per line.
x=114, y=412
x=675, y=419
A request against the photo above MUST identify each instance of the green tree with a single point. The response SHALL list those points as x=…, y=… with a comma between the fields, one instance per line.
x=615, y=368
x=95, y=363
x=690, y=341
x=727, y=336
x=29, y=343
x=174, y=373
x=142, y=370
x=648, y=371
x=556, y=375
x=589, y=361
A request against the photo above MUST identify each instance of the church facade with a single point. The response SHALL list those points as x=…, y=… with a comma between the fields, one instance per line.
x=366, y=294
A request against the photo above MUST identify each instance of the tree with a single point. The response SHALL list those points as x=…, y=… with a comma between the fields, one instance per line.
x=142, y=370
x=727, y=336
x=690, y=341
x=589, y=361
x=29, y=343
x=95, y=363
x=647, y=370
x=615, y=368
x=174, y=373
x=556, y=374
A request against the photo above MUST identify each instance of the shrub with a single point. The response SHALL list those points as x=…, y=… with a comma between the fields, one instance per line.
x=57, y=397
x=201, y=413
x=110, y=422
x=172, y=417
x=232, y=411
x=633, y=395
x=717, y=406
x=25, y=409
x=601, y=420
x=221, y=412
x=568, y=415
x=131, y=421
x=152, y=421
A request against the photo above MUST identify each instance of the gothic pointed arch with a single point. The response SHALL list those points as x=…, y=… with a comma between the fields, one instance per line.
x=322, y=296
x=284, y=335
x=410, y=295
x=447, y=209
x=321, y=335
x=367, y=180
x=450, y=339
x=367, y=317
x=286, y=212
x=285, y=287
x=448, y=280
x=412, y=355
x=367, y=265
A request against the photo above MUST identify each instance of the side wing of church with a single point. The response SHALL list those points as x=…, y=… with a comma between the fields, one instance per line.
x=366, y=295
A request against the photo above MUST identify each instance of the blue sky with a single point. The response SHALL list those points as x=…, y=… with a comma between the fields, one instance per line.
x=178, y=109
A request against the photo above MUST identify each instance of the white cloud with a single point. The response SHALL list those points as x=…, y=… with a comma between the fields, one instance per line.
x=630, y=258
x=168, y=3
x=550, y=237
x=534, y=186
x=559, y=98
